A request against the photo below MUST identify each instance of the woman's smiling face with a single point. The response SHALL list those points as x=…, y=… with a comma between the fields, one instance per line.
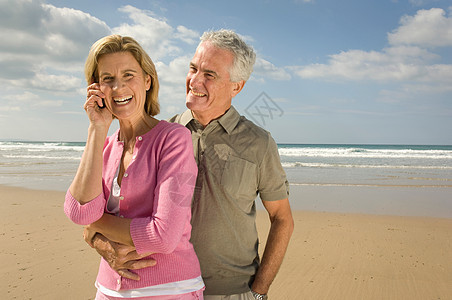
x=124, y=84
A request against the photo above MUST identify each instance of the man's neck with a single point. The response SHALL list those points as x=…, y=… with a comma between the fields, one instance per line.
x=205, y=118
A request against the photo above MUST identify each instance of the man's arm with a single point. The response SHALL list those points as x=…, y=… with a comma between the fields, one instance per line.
x=281, y=229
x=121, y=258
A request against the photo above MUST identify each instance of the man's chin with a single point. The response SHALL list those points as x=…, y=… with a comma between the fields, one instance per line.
x=194, y=105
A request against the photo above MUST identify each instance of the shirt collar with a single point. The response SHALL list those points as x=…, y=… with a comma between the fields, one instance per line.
x=228, y=121
x=186, y=117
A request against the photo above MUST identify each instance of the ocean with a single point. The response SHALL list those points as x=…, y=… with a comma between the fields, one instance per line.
x=39, y=165
x=368, y=165
x=52, y=165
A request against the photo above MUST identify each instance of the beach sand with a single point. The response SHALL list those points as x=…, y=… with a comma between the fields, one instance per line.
x=331, y=255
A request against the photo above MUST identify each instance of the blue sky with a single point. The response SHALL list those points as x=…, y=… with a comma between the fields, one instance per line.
x=327, y=71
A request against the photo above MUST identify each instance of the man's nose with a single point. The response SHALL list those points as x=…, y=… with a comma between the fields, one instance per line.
x=195, y=79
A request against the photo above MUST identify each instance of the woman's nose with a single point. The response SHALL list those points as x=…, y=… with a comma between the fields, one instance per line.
x=117, y=84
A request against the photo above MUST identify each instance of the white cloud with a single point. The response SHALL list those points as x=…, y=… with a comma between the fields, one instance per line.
x=172, y=110
x=396, y=63
x=49, y=103
x=172, y=94
x=25, y=101
x=392, y=96
x=266, y=69
x=156, y=36
x=33, y=28
x=172, y=83
x=44, y=40
x=53, y=82
x=70, y=32
x=75, y=113
x=175, y=71
x=187, y=35
x=8, y=108
x=407, y=59
x=428, y=28
x=25, y=97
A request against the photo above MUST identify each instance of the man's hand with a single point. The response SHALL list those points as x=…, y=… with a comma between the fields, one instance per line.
x=121, y=258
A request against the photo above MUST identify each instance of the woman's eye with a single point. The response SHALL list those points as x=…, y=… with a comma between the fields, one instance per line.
x=106, y=79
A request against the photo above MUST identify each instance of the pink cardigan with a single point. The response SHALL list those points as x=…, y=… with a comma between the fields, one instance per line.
x=157, y=191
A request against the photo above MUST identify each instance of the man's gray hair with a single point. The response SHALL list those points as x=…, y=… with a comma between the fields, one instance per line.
x=244, y=55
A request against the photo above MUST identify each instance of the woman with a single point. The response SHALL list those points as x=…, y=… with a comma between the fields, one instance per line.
x=135, y=187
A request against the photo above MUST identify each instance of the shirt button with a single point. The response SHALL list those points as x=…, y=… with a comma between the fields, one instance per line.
x=121, y=198
x=118, y=281
x=125, y=174
x=140, y=138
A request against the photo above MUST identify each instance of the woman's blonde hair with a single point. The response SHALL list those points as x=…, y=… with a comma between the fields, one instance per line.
x=114, y=44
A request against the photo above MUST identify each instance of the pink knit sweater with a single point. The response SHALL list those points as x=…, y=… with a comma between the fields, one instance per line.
x=157, y=191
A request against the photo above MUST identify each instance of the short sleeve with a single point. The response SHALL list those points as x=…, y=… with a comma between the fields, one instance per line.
x=273, y=184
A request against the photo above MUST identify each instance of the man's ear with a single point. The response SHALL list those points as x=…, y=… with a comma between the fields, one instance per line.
x=237, y=87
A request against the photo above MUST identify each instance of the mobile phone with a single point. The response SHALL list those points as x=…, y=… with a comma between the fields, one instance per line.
x=103, y=104
x=93, y=80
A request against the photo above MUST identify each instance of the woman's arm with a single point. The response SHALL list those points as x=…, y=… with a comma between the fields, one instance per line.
x=84, y=201
x=87, y=183
x=114, y=228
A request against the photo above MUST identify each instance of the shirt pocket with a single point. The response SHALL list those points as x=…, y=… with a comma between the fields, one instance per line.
x=239, y=180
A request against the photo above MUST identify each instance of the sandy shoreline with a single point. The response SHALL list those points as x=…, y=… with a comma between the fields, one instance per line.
x=331, y=255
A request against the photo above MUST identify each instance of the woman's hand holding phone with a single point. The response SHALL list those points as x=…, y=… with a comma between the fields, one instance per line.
x=95, y=107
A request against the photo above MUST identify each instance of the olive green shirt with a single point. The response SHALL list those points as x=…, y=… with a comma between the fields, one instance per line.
x=237, y=160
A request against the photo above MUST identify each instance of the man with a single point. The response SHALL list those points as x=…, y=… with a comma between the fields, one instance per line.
x=237, y=161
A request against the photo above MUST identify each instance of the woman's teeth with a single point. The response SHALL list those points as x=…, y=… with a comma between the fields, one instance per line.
x=123, y=101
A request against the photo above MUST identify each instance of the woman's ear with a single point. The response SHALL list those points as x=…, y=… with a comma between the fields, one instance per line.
x=94, y=79
x=148, y=82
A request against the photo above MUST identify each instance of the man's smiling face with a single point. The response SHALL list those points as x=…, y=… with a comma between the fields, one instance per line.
x=209, y=88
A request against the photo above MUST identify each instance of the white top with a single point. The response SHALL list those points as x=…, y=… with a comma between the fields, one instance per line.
x=113, y=201
x=171, y=288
